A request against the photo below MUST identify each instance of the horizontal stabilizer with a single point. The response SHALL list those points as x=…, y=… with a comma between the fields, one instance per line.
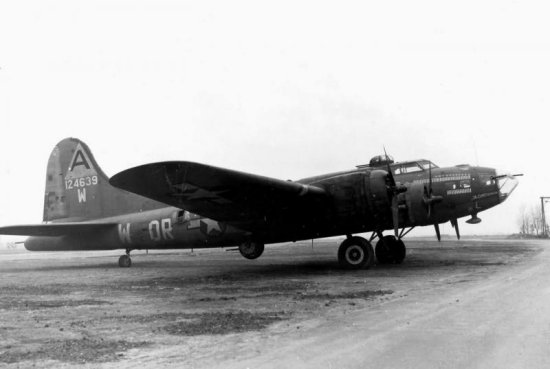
x=56, y=229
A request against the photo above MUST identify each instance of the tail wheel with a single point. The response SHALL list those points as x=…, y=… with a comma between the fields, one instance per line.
x=355, y=253
x=390, y=250
x=125, y=261
x=251, y=249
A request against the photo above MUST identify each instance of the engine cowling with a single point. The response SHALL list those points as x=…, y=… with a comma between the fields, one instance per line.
x=416, y=209
x=409, y=199
x=378, y=191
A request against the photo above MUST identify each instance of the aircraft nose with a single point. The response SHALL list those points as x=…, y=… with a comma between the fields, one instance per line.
x=506, y=183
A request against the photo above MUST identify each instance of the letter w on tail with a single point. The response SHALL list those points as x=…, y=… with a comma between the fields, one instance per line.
x=81, y=195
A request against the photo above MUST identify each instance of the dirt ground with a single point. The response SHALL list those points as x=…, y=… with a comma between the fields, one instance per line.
x=473, y=303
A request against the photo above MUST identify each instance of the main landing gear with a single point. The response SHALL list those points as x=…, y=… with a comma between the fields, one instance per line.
x=125, y=261
x=390, y=250
x=357, y=253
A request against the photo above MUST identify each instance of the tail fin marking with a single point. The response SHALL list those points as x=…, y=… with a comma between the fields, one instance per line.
x=78, y=190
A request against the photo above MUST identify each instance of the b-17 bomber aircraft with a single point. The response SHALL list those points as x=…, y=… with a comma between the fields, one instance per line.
x=178, y=204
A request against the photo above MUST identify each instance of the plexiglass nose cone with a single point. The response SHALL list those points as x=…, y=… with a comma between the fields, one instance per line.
x=507, y=183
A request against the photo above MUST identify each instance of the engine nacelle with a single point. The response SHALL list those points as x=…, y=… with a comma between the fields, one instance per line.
x=412, y=208
x=416, y=209
x=380, y=199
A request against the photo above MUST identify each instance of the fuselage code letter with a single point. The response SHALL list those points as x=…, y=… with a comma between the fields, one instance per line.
x=124, y=233
x=161, y=230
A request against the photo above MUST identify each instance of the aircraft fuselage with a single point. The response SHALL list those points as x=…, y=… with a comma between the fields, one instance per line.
x=358, y=202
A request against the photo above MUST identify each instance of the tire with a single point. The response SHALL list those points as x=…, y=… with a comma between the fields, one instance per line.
x=400, y=252
x=390, y=250
x=383, y=249
x=355, y=253
x=251, y=250
x=124, y=261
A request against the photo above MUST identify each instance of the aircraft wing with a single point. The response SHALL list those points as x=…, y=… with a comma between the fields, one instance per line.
x=55, y=229
x=238, y=198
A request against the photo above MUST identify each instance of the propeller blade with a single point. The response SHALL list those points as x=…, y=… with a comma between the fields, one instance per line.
x=393, y=191
x=436, y=226
x=429, y=199
x=395, y=214
x=390, y=173
x=454, y=223
x=430, y=179
x=427, y=202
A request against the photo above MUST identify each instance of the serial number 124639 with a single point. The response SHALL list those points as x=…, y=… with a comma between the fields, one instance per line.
x=80, y=182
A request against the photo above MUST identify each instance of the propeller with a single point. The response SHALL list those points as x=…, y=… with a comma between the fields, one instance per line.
x=430, y=200
x=393, y=190
x=437, y=232
x=454, y=223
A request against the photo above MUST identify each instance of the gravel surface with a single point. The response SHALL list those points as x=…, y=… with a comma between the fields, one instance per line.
x=293, y=307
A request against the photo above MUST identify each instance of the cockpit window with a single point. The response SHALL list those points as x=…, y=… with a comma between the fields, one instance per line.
x=425, y=164
x=408, y=168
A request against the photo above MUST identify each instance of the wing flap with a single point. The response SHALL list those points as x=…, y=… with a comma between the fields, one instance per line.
x=55, y=229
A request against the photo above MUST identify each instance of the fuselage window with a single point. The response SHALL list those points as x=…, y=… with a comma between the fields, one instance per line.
x=181, y=216
x=451, y=185
x=487, y=179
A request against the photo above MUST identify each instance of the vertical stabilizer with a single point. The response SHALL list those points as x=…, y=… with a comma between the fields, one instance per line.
x=77, y=189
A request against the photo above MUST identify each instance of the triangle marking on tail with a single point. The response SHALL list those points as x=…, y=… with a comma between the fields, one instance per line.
x=80, y=165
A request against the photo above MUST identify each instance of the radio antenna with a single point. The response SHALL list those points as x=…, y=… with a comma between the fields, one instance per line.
x=475, y=151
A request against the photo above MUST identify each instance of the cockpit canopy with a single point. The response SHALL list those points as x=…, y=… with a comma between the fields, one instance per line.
x=382, y=162
x=412, y=166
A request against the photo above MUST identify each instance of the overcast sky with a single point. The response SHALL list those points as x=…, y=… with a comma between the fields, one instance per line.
x=288, y=89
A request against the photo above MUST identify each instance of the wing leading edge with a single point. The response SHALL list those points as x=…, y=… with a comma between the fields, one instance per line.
x=239, y=198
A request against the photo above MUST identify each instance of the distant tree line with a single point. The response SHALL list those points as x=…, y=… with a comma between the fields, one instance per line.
x=530, y=222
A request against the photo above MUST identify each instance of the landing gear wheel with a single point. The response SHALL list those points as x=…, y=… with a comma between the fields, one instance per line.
x=390, y=250
x=125, y=261
x=355, y=253
x=251, y=249
x=400, y=252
